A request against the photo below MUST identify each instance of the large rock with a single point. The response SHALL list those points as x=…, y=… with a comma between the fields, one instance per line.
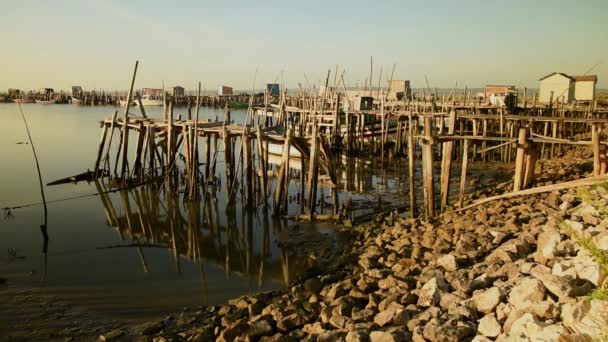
x=527, y=292
x=587, y=317
x=559, y=286
x=393, y=314
x=587, y=268
x=546, y=246
x=448, y=262
x=357, y=336
x=489, y=326
x=430, y=293
x=486, y=301
x=386, y=336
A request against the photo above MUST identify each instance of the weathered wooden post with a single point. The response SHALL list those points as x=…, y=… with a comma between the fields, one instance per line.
x=125, y=136
x=262, y=166
x=531, y=157
x=446, y=163
x=427, y=169
x=463, y=172
x=138, y=148
x=313, y=168
x=102, y=143
x=595, y=141
x=519, y=160
x=283, y=177
x=411, y=169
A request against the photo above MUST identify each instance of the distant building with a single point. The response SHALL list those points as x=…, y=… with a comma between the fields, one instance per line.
x=273, y=89
x=76, y=90
x=560, y=87
x=398, y=89
x=498, y=90
x=177, y=91
x=358, y=103
x=152, y=92
x=14, y=92
x=224, y=90
x=584, y=87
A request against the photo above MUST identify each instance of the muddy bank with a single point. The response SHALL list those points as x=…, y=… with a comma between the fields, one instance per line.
x=506, y=270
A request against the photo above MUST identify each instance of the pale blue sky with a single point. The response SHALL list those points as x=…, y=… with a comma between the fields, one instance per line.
x=95, y=43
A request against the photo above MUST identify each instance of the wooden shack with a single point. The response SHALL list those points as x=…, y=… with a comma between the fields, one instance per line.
x=584, y=87
x=273, y=89
x=358, y=103
x=177, y=91
x=398, y=89
x=224, y=90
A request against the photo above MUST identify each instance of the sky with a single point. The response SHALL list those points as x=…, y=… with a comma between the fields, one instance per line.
x=245, y=44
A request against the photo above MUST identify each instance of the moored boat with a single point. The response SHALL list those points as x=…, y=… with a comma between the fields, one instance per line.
x=76, y=101
x=46, y=101
x=23, y=101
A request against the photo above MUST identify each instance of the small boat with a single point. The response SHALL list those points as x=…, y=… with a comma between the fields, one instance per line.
x=145, y=101
x=236, y=104
x=76, y=101
x=23, y=101
x=45, y=102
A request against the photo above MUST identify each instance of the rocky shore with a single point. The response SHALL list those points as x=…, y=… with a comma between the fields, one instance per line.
x=520, y=269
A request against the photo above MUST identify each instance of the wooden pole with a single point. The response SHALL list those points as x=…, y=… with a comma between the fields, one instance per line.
x=313, y=168
x=102, y=143
x=262, y=166
x=519, y=160
x=595, y=140
x=531, y=156
x=446, y=163
x=125, y=136
x=427, y=167
x=463, y=172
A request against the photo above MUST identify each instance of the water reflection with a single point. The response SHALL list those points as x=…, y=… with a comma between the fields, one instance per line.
x=195, y=231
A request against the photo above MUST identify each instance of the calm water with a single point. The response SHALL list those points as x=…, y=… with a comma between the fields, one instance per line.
x=137, y=254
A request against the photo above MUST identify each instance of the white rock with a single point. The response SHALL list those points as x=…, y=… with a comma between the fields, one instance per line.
x=526, y=325
x=487, y=300
x=601, y=240
x=577, y=226
x=448, y=262
x=587, y=268
x=430, y=293
x=588, y=317
x=489, y=326
x=564, y=268
x=547, y=243
x=527, y=292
